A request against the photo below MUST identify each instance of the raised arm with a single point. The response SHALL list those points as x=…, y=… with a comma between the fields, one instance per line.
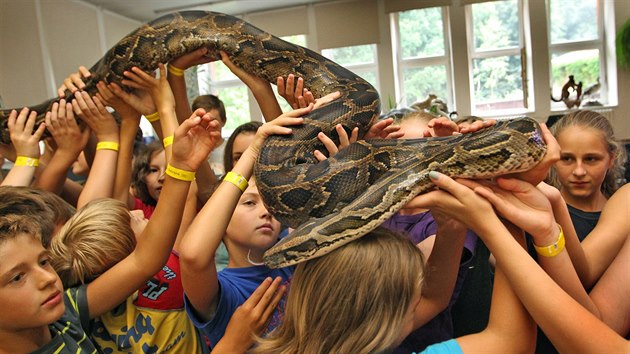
x=70, y=141
x=26, y=144
x=129, y=125
x=260, y=88
x=570, y=326
x=199, y=245
x=192, y=143
x=100, y=181
x=441, y=269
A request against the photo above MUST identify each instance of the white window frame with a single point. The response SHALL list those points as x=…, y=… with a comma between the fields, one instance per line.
x=400, y=64
x=566, y=47
x=519, y=49
x=361, y=68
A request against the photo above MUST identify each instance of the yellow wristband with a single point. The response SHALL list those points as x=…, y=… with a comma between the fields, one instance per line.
x=239, y=181
x=107, y=145
x=181, y=175
x=153, y=117
x=175, y=70
x=168, y=141
x=553, y=249
x=26, y=161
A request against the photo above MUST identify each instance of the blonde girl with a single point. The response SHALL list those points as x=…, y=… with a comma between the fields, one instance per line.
x=590, y=166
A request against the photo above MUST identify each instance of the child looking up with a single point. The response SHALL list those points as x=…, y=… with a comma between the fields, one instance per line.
x=235, y=214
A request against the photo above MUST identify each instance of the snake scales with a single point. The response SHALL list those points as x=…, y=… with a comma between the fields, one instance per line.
x=336, y=201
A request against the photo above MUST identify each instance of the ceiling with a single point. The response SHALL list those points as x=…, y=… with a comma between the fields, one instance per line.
x=146, y=10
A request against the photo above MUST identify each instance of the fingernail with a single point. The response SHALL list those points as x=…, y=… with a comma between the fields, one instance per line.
x=434, y=175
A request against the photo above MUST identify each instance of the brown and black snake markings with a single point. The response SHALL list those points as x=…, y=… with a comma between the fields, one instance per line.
x=341, y=199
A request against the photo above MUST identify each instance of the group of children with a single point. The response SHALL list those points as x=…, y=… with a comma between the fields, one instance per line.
x=130, y=262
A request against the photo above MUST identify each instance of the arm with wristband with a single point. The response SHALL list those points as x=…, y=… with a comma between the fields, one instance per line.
x=569, y=326
x=191, y=146
x=100, y=181
x=206, y=179
x=26, y=144
x=201, y=240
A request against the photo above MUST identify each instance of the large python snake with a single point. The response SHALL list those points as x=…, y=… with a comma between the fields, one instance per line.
x=333, y=202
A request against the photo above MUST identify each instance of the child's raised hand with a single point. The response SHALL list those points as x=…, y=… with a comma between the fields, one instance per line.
x=196, y=57
x=24, y=139
x=384, y=129
x=140, y=100
x=329, y=144
x=92, y=111
x=476, y=125
x=441, y=126
x=64, y=129
x=251, y=317
x=455, y=200
x=293, y=91
x=278, y=126
x=159, y=88
x=74, y=82
x=108, y=98
x=194, y=139
x=540, y=171
x=523, y=205
x=247, y=78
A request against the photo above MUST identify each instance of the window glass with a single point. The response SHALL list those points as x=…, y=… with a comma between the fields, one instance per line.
x=571, y=21
x=422, y=33
x=354, y=55
x=420, y=82
x=496, y=25
x=497, y=83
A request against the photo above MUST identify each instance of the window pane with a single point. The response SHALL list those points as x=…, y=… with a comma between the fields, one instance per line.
x=236, y=107
x=496, y=25
x=573, y=21
x=418, y=83
x=298, y=39
x=359, y=54
x=582, y=64
x=421, y=33
x=497, y=83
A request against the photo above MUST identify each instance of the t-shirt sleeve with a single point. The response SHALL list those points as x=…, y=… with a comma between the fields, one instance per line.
x=214, y=328
x=448, y=347
x=76, y=299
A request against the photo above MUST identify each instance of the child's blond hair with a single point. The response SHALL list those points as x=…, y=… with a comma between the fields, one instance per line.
x=352, y=300
x=97, y=237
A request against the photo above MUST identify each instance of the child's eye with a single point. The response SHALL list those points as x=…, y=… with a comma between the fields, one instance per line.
x=44, y=262
x=566, y=158
x=249, y=202
x=17, y=278
x=153, y=170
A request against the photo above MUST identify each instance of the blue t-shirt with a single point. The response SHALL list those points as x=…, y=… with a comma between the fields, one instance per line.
x=448, y=347
x=235, y=286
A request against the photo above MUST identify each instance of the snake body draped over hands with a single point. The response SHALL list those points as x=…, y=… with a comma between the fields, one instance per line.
x=333, y=202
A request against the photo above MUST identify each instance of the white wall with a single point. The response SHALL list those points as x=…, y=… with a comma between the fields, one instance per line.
x=42, y=41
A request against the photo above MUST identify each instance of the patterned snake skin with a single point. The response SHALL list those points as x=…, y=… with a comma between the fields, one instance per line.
x=341, y=199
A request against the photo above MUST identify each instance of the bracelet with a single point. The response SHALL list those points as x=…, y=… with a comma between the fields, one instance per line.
x=153, y=117
x=175, y=70
x=26, y=161
x=168, y=141
x=239, y=181
x=553, y=249
x=179, y=174
x=107, y=145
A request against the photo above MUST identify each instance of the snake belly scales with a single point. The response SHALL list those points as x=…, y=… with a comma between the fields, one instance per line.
x=336, y=201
